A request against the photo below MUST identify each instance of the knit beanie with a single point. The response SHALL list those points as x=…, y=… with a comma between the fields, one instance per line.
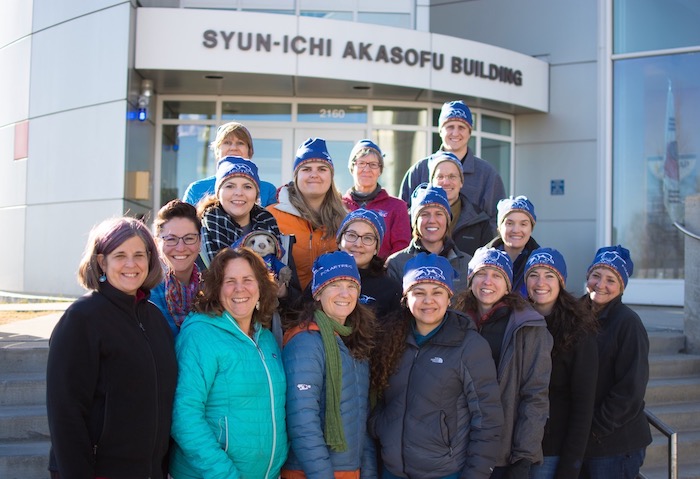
x=516, y=203
x=313, y=149
x=370, y=217
x=331, y=267
x=427, y=195
x=236, y=166
x=617, y=259
x=363, y=145
x=455, y=110
x=491, y=258
x=439, y=157
x=428, y=268
x=547, y=258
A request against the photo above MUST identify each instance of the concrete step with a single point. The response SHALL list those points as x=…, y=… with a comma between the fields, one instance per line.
x=674, y=365
x=679, y=416
x=688, y=447
x=666, y=342
x=690, y=470
x=22, y=389
x=23, y=360
x=672, y=390
x=24, y=460
x=24, y=423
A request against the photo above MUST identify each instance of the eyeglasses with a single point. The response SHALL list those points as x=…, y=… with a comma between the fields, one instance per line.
x=367, y=240
x=374, y=165
x=173, y=240
x=448, y=177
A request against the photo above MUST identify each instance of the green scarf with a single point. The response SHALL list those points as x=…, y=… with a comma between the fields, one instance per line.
x=333, y=433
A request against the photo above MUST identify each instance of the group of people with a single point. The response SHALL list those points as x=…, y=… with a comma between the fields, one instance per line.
x=295, y=332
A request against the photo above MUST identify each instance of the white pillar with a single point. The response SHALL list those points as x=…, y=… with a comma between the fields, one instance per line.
x=691, y=323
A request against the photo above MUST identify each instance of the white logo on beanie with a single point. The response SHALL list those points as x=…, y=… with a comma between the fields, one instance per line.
x=541, y=258
x=429, y=272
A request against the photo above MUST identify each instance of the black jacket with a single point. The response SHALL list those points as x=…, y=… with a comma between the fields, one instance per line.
x=110, y=384
x=571, y=397
x=619, y=423
x=472, y=229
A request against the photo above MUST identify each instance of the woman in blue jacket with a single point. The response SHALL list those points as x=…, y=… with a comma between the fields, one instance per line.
x=439, y=415
x=326, y=358
x=228, y=417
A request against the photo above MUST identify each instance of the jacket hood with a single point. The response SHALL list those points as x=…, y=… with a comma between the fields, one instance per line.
x=284, y=204
x=224, y=322
x=525, y=317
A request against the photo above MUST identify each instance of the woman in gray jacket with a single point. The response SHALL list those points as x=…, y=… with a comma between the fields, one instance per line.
x=439, y=414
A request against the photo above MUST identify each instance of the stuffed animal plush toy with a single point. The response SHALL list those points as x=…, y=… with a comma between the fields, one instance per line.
x=268, y=247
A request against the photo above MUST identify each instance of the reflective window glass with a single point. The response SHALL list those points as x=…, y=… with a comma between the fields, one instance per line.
x=268, y=155
x=347, y=16
x=185, y=157
x=497, y=153
x=641, y=25
x=327, y=113
x=493, y=124
x=396, y=115
x=401, y=20
x=189, y=110
x=655, y=150
x=243, y=112
x=401, y=149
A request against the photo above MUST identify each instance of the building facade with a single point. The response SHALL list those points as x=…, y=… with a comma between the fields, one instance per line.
x=109, y=106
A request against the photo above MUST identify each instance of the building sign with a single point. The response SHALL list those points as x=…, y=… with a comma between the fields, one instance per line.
x=210, y=40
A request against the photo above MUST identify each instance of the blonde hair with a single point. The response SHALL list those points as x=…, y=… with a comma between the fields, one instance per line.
x=232, y=128
x=329, y=217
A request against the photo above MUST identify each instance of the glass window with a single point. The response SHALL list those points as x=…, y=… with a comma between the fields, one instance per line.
x=655, y=149
x=655, y=25
x=264, y=10
x=493, y=124
x=347, y=16
x=327, y=113
x=401, y=149
x=242, y=112
x=401, y=20
x=186, y=157
x=497, y=153
x=396, y=115
x=268, y=155
x=189, y=110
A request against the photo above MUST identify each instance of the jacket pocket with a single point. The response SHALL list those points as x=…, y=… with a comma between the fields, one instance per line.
x=223, y=433
x=445, y=431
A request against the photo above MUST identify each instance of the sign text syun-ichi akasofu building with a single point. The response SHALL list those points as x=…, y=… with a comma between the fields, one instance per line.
x=360, y=51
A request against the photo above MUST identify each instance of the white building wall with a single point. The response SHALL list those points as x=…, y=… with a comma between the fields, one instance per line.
x=77, y=107
x=561, y=144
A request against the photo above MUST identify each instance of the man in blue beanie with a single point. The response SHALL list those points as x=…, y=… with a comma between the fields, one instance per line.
x=482, y=184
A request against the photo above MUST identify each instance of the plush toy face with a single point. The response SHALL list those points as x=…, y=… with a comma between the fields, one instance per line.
x=262, y=244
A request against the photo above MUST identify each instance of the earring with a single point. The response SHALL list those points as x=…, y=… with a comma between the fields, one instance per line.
x=102, y=278
x=257, y=306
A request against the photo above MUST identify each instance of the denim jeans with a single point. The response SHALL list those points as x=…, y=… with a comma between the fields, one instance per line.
x=546, y=470
x=622, y=466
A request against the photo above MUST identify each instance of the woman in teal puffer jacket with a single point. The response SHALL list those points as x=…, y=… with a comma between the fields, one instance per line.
x=228, y=417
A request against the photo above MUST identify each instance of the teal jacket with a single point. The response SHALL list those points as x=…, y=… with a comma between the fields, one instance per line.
x=229, y=412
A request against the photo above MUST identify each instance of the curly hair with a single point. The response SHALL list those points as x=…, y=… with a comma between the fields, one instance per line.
x=329, y=217
x=391, y=344
x=362, y=319
x=570, y=320
x=208, y=301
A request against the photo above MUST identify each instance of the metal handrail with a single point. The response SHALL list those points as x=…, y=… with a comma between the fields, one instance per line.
x=672, y=436
x=685, y=231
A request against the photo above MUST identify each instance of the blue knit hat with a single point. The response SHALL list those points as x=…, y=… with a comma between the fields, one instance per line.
x=428, y=268
x=370, y=217
x=491, y=258
x=363, y=145
x=440, y=157
x=455, y=110
x=331, y=267
x=427, y=195
x=236, y=166
x=313, y=149
x=617, y=259
x=516, y=203
x=547, y=258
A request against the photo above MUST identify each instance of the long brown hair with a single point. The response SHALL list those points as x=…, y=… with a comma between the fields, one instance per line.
x=360, y=342
x=391, y=344
x=208, y=301
x=571, y=319
x=331, y=214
